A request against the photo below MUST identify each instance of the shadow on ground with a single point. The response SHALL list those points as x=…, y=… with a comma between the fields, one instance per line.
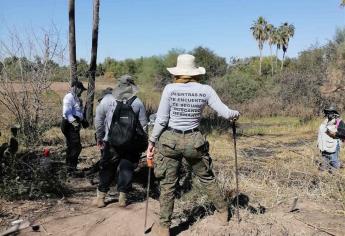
x=201, y=211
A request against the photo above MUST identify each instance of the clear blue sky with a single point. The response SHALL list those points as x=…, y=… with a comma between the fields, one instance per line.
x=134, y=28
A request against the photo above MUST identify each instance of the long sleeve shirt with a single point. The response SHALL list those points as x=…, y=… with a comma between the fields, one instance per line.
x=105, y=111
x=324, y=142
x=72, y=108
x=181, y=107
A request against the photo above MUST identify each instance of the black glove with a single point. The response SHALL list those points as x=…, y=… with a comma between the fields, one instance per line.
x=76, y=125
x=85, y=123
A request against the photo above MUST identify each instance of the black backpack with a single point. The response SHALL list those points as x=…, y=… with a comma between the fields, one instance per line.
x=126, y=132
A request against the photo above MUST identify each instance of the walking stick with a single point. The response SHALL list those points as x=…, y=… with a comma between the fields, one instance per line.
x=149, y=165
x=236, y=170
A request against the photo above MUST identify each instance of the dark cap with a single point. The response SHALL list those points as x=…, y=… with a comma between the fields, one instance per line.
x=331, y=109
x=78, y=85
x=105, y=92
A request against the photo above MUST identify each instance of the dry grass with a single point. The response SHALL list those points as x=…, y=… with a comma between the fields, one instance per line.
x=278, y=167
x=275, y=166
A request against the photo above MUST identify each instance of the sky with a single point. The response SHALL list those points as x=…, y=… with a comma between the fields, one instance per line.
x=135, y=28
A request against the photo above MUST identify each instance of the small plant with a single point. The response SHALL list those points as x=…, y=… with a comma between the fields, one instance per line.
x=30, y=175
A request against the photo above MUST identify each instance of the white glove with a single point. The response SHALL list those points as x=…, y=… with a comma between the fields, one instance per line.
x=234, y=115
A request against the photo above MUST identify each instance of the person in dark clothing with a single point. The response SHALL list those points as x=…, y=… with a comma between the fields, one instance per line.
x=95, y=168
x=122, y=164
x=116, y=161
x=73, y=119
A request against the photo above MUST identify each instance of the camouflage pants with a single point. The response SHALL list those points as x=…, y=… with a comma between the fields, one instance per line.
x=171, y=148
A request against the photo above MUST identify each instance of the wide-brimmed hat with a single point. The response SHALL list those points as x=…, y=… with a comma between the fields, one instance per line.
x=125, y=88
x=186, y=66
x=332, y=108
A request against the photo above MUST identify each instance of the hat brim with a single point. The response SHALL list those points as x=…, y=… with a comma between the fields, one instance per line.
x=188, y=72
x=121, y=92
x=331, y=110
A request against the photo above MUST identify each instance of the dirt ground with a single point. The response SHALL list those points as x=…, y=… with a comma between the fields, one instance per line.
x=277, y=164
x=113, y=220
x=73, y=215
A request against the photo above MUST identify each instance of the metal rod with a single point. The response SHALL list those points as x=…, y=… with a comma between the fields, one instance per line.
x=236, y=170
x=147, y=197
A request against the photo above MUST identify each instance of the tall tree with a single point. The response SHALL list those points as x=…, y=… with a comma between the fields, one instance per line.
x=271, y=30
x=259, y=32
x=93, y=63
x=288, y=31
x=72, y=44
x=278, y=41
x=342, y=3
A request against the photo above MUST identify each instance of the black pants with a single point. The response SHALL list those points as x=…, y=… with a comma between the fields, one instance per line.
x=120, y=163
x=72, y=136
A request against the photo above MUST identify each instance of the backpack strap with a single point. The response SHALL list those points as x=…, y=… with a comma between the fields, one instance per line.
x=116, y=114
x=130, y=101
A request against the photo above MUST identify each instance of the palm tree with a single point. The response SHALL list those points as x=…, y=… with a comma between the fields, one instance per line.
x=72, y=44
x=93, y=64
x=288, y=31
x=259, y=32
x=278, y=41
x=271, y=30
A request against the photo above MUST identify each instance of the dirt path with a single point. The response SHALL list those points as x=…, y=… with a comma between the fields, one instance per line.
x=113, y=220
x=314, y=215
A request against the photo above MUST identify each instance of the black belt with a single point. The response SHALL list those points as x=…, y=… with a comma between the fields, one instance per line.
x=183, y=132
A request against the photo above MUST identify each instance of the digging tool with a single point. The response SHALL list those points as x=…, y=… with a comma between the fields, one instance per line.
x=236, y=170
x=149, y=165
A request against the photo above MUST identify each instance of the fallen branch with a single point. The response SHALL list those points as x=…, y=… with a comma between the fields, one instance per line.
x=315, y=227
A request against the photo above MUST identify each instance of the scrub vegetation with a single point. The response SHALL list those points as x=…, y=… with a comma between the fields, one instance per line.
x=278, y=159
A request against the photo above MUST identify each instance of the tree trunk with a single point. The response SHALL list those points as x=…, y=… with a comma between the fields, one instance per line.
x=282, y=65
x=93, y=64
x=72, y=44
x=271, y=59
x=260, y=62
x=276, y=64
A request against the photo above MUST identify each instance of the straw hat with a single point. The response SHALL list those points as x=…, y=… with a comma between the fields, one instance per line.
x=125, y=88
x=186, y=66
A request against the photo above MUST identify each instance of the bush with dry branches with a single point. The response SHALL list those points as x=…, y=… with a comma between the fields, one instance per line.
x=27, y=67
